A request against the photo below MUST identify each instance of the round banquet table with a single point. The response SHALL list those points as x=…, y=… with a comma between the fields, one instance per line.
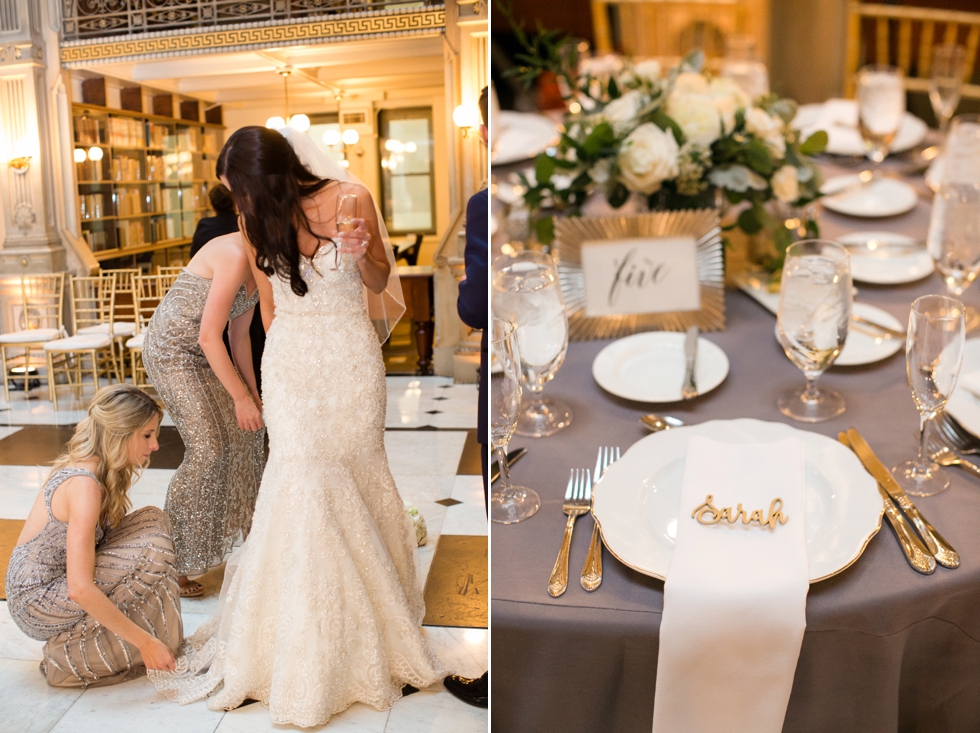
x=886, y=649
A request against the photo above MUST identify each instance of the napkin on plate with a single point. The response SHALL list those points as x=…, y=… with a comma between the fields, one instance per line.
x=839, y=118
x=735, y=595
x=971, y=382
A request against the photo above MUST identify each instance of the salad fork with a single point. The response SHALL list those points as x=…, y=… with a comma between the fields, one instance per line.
x=946, y=456
x=958, y=436
x=578, y=499
x=592, y=570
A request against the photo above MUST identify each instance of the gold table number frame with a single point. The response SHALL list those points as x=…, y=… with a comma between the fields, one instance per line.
x=702, y=224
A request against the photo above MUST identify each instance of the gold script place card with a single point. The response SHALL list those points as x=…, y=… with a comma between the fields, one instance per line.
x=625, y=276
x=708, y=513
x=622, y=275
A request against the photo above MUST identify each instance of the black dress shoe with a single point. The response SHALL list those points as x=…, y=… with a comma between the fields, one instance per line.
x=470, y=690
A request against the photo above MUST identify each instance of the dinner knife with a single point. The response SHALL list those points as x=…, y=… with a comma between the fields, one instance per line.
x=513, y=457
x=938, y=547
x=915, y=552
x=690, y=388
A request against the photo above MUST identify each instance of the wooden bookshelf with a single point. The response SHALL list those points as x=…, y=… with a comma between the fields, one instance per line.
x=149, y=188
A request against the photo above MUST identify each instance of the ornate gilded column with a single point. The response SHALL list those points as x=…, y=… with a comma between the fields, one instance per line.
x=27, y=130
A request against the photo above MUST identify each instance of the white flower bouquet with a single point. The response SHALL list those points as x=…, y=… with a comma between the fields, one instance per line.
x=678, y=139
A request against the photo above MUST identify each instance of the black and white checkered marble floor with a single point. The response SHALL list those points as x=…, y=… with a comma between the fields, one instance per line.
x=432, y=453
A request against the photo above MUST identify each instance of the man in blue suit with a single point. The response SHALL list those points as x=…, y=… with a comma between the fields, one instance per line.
x=474, y=310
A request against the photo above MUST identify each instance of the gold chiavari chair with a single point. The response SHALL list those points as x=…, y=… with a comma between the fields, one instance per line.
x=170, y=269
x=904, y=36
x=92, y=301
x=42, y=305
x=150, y=290
x=123, y=316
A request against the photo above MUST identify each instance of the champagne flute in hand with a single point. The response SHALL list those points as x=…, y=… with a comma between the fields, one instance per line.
x=508, y=503
x=933, y=355
x=346, y=213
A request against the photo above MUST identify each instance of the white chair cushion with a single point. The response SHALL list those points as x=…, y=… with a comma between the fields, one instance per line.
x=120, y=328
x=34, y=336
x=136, y=342
x=79, y=343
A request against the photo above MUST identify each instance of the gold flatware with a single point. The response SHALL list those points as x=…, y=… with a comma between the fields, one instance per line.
x=915, y=552
x=937, y=546
x=656, y=423
x=873, y=324
x=592, y=570
x=578, y=500
x=946, y=456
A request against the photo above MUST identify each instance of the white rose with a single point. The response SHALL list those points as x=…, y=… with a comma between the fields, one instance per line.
x=649, y=70
x=690, y=83
x=622, y=113
x=728, y=98
x=767, y=128
x=647, y=158
x=599, y=173
x=696, y=116
x=785, y=184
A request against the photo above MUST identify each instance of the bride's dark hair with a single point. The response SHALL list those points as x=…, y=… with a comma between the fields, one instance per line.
x=269, y=183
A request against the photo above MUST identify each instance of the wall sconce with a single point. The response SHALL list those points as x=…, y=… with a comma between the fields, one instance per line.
x=21, y=162
x=467, y=117
x=334, y=138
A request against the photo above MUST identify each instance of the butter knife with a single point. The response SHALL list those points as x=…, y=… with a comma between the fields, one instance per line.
x=513, y=457
x=690, y=388
x=915, y=552
x=937, y=546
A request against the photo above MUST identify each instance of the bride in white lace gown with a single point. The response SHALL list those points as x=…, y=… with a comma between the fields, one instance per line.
x=324, y=608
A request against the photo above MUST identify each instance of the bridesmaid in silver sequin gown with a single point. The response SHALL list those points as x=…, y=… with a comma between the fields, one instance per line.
x=215, y=407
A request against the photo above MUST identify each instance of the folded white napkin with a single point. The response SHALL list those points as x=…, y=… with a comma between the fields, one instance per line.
x=735, y=595
x=839, y=118
x=970, y=381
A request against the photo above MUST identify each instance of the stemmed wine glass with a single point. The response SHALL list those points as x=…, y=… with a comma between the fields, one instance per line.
x=933, y=355
x=346, y=213
x=508, y=503
x=527, y=292
x=955, y=240
x=945, y=86
x=881, y=105
x=814, y=314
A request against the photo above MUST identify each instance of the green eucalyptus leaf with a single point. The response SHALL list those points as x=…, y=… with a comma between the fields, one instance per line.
x=815, y=144
x=544, y=168
x=613, y=89
x=665, y=123
x=757, y=157
x=545, y=229
x=601, y=135
x=617, y=195
x=749, y=221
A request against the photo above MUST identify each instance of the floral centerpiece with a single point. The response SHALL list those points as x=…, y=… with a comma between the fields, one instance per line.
x=673, y=139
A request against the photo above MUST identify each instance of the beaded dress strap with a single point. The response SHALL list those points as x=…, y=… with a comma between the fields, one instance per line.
x=58, y=478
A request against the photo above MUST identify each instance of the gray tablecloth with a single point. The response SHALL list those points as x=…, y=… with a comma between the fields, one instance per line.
x=886, y=649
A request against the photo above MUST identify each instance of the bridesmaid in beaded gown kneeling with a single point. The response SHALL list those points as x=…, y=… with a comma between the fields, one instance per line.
x=96, y=583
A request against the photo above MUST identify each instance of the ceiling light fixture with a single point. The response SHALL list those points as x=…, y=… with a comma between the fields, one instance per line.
x=298, y=122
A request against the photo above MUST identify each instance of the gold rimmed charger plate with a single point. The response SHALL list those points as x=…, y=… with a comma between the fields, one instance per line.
x=637, y=502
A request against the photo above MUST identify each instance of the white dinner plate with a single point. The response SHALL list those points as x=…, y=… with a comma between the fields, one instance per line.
x=863, y=345
x=889, y=267
x=637, y=501
x=963, y=404
x=649, y=367
x=844, y=138
x=521, y=136
x=881, y=197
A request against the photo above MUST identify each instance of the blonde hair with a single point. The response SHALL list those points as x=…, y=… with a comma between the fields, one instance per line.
x=116, y=414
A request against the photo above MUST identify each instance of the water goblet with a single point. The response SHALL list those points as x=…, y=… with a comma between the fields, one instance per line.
x=955, y=240
x=508, y=503
x=946, y=82
x=814, y=314
x=527, y=292
x=933, y=355
x=881, y=105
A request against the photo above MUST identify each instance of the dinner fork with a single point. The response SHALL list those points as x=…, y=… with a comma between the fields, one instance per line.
x=592, y=570
x=946, y=456
x=958, y=436
x=578, y=499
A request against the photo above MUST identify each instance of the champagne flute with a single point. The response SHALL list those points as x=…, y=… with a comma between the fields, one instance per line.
x=946, y=83
x=881, y=105
x=346, y=213
x=933, y=355
x=527, y=292
x=508, y=503
x=814, y=315
x=955, y=245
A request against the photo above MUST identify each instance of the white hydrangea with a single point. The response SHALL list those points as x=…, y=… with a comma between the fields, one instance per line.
x=622, y=113
x=786, y=184
x=690, y=83
x=696, y=115
x=647, y=158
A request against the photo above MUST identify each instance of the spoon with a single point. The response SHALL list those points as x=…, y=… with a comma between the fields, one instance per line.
x=656, y=423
